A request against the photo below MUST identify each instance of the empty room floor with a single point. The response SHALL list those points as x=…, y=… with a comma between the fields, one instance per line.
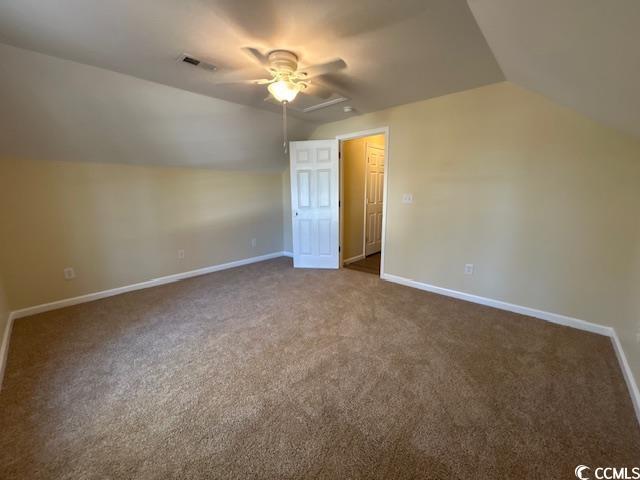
x=269, y=372
x=369, y=264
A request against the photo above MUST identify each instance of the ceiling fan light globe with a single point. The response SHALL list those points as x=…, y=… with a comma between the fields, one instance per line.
x=283, y=91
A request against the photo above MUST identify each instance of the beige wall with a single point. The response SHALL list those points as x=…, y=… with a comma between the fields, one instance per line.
x=353, y=174
x=542, y=200
x=122, y=224
x=67, y=197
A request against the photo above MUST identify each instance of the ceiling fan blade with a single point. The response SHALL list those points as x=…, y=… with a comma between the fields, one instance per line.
x=316, y=90
x=243, y=75
x=323, y=68
x=257, y=56
x=255, y=81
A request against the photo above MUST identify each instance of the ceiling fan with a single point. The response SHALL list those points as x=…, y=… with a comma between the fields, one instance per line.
x=287, y=79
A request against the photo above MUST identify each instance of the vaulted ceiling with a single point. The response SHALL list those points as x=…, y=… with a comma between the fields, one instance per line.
x=584, y=54
x=580, y=53
x=56, y=109
x=396, y=51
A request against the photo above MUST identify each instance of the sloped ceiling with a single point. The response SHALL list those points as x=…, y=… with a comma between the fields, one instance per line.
x=397, y=51
x=55, y=109
x=580, y=53
x=584, y=54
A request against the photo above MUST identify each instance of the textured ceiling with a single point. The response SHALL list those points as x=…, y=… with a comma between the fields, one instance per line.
x=584, y=54
x=397, y=51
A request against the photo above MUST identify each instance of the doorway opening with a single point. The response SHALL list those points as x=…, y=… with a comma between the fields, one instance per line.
x=362, y=196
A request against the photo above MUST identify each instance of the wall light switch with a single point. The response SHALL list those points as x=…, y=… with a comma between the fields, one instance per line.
x=69, y=273
x=468, y=269
x=253, y=243
x=407, y=198
x=180, y=253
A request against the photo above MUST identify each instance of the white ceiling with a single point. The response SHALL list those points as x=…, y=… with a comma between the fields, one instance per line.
x=55, y=109
x=580, y=53
x=397, y=51
x=584, y=54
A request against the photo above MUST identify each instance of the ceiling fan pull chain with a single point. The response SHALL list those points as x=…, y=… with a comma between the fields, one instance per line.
x=284, y=126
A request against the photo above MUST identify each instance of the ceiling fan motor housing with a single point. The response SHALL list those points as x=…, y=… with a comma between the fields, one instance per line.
x=283, y=61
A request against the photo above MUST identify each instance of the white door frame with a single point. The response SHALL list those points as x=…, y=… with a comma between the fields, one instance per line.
x=387, y=158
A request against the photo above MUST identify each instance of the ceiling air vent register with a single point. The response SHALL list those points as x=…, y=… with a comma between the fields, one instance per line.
x=196, y=62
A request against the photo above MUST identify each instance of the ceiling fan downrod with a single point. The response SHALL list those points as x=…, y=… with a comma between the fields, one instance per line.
x=284, y=127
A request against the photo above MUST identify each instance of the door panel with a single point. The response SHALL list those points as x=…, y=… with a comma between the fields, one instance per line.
x=374, y=196
x=314, y=203
x=304, y=188
x=304, y=232
x=371, y=187
x=324, y=188
x=324, y=154
x=324, y=236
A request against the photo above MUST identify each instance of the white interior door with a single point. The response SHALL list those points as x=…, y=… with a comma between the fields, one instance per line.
x=314, y=203
x=374, y=193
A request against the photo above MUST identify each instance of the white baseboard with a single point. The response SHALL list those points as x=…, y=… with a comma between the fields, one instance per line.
x=67, y=302
x=532, y=312
x=353, y=259
x=4, y=346
x=626, y=371
x=287, y=254
x=541, y=314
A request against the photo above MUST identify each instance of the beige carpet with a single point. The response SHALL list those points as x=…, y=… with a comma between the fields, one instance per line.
x=269, y=372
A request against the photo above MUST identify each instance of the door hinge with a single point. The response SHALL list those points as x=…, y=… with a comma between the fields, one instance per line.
x=339, y=203
x=339, y=248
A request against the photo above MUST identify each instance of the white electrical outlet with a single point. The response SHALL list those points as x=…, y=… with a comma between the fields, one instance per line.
x=468, y=269
x=69, y=273
x=407, y=198
x=253, y=243
x=180, y=253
